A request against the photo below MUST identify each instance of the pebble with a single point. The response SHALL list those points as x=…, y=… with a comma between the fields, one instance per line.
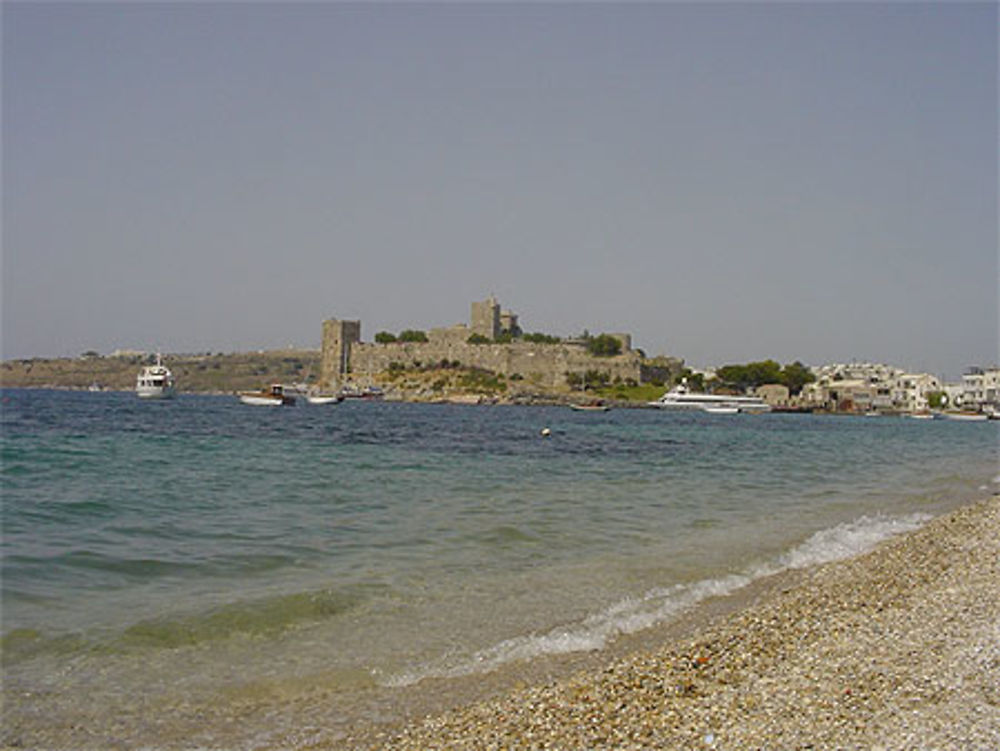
x=898, y=648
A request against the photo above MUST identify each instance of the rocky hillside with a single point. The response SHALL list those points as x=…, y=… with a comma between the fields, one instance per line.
x=203, y=373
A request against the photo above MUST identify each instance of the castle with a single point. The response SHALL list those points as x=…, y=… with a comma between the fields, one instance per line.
x=545, y=365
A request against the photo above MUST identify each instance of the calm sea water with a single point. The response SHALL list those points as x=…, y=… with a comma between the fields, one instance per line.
x=200, y=573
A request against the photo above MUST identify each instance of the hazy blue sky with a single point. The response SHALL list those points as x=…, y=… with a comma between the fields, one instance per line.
x=726, y=181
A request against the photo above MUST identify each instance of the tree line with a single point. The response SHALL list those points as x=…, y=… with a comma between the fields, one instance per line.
x=753, y=374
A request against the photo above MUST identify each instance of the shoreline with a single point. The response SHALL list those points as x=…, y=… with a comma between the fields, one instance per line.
x=896, y=648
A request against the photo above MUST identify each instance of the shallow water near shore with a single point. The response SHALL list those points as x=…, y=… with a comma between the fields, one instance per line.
x=202, y=573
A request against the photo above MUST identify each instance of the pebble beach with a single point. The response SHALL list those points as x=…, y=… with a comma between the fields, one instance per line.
x=895, y=649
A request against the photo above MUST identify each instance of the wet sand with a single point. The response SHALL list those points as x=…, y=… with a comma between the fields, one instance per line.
x=895, y=649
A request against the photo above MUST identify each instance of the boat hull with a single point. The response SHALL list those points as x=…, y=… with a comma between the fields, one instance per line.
x=261, y=401
x=155, y=392
x=580, y=408
x=324, y=399
x=256, y=399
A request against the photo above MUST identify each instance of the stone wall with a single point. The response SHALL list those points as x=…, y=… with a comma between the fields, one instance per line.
x=545, y=365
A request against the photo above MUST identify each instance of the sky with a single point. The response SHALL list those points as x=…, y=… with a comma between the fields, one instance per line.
x=728, y=182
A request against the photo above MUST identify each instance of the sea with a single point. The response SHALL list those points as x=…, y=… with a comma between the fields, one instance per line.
x=199, y=573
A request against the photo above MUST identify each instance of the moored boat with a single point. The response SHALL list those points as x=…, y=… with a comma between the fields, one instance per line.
x=155, y=381
x=272, y=397
x=324, y=399
x=680, y=397
x=596, y=405
x=352, y=391
x=967, y=415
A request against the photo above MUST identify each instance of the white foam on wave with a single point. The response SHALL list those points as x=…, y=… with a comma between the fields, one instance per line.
x=659, y=605
x=849, y=539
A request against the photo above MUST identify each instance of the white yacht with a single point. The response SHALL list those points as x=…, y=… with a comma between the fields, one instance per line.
x=155, y=381
x=681, y=397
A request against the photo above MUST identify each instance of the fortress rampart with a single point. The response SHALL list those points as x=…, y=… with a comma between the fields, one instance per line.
x=541, y=364
x=346, y=358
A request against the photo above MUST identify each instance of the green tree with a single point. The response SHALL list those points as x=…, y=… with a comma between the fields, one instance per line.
x=596, y=379
x=411, y=335
x=479, y=339
x=384, y=337
x=604, y=345
x=735, y=376
x=796, y=375
x=694, y=381
x=751, y=375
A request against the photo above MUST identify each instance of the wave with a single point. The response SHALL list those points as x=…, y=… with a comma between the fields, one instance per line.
x=263, y=617
x=661, y=605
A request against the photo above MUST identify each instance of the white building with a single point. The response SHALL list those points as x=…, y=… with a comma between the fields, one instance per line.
x=863, y=387
x=981, y=388
x=910, y=391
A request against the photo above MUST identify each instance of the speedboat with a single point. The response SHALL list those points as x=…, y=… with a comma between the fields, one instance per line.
x=592, y=406
x=352, y=391
x=681, y=397
x=155, y=381
x=272, y=397
x=323, y=399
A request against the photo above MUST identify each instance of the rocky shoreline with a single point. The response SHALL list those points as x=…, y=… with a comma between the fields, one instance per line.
x=895, y=649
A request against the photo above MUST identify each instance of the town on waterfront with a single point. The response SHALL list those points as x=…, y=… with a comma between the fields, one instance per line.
x=493, y=360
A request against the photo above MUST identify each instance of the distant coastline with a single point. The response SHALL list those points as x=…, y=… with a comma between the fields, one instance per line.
x=227, y=373
x=195, y=373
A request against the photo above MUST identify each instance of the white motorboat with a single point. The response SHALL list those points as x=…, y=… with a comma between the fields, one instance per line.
x=966, y=415
x=155, y=381
x=681, y=397
x=323, y=399
x=272, y=397
x=595, y=405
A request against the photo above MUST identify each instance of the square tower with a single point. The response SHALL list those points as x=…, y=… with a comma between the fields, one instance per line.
x=485, y=319
x=335, y=360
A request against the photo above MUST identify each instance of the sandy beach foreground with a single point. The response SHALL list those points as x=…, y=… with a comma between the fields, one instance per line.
x=895, y=649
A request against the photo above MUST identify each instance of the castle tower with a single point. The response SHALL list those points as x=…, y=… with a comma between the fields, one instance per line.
x=485, y=319
x=508, y=323
x=335, y=360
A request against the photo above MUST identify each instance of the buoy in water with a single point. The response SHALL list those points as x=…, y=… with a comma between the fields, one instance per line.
x=546, y=432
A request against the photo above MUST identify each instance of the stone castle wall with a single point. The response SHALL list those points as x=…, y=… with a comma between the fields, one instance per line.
x=346, y=358
x=542, y=364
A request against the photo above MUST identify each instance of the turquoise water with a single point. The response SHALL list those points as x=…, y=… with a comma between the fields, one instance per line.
x=165, y=559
